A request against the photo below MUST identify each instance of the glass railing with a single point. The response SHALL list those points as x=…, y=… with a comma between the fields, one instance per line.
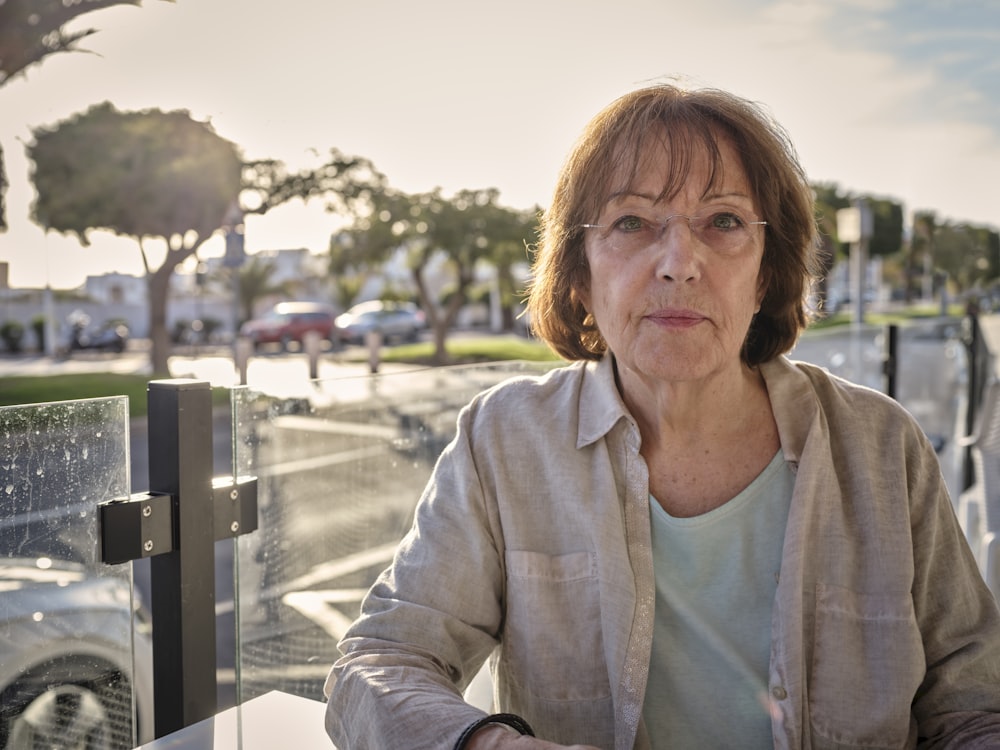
x=68, y=623
x=339, y=466
x=339, y=471
x=931, y=376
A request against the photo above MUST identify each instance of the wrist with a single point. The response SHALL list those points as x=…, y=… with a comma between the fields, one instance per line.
x=490, y=737
x=504, y=722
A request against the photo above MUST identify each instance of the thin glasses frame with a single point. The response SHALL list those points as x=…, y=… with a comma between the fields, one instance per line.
x=700, y=225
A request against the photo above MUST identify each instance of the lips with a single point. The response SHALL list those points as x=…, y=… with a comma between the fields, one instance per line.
x=676, y=318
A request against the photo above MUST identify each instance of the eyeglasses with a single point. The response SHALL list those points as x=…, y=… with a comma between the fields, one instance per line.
x=725, y=230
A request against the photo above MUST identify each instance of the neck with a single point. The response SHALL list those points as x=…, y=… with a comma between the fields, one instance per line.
x=690, y=412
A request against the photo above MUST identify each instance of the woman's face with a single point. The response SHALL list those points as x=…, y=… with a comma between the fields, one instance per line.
x=674, y=298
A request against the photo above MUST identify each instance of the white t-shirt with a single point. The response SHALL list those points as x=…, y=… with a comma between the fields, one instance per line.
x=716, y=576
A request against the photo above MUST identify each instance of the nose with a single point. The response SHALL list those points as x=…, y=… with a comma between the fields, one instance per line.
x=676, y=259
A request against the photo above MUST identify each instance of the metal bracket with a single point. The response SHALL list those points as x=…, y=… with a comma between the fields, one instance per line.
x=139, y=526
x=144, y=524
x=235, y=505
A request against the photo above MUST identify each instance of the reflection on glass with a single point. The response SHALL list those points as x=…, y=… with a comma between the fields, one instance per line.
x=66, y=619
x=340, y=469
x=339, y=472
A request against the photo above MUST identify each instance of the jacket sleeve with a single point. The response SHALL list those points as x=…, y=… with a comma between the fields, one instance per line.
x=428, y=623
x=958, y=703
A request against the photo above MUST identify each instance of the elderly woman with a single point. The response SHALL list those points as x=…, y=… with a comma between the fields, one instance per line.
x=683, y=539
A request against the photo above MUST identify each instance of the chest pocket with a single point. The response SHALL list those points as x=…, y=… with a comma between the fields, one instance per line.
x=868, y=662
x=552, y=642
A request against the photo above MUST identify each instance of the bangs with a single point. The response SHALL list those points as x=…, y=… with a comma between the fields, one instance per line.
x=686, y=145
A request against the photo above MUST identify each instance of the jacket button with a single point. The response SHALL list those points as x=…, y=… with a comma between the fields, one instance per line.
x=779, y=693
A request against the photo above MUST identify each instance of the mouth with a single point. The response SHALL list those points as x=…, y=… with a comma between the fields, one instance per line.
x=676, y=318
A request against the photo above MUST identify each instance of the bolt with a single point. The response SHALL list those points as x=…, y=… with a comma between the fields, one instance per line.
x=234, y=494
x=148, y=545
x=147, y=511
x=235, y=526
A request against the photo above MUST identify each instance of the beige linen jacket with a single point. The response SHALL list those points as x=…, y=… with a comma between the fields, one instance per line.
x=531, y=546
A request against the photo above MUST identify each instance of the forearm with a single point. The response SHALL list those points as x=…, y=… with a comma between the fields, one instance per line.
x=374, y=704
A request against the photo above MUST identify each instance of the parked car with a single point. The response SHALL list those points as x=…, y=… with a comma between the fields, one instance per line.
x=111, y=336
x=66, y=669
x=289, y=322
x=401, y=321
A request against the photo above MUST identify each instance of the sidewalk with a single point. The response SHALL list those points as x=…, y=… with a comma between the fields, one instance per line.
x=212, y=364
x=990, y=327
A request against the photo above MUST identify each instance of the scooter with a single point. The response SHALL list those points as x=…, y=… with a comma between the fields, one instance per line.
x=111, y=337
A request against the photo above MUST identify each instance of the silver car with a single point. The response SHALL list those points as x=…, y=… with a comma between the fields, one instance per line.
x=66, y=672
x=398, y=321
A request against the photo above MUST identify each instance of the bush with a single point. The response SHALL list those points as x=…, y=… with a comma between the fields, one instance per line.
x=12, y=332
x=38, y=327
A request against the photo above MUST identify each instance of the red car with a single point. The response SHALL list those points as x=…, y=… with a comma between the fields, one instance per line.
x=289, y=322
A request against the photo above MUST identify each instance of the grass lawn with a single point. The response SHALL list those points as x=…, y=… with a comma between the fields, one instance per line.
x=37, y=389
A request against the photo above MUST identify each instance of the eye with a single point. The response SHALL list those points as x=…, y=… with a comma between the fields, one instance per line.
x=629, y=223
x=726, y=221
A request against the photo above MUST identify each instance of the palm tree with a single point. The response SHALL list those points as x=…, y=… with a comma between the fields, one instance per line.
x=255, y=283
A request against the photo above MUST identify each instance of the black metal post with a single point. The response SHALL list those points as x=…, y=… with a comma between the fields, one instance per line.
x=974, y=353
x=890, y=360
x=183, y=580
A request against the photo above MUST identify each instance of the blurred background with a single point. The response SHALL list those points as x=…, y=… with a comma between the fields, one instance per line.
x=320, y=138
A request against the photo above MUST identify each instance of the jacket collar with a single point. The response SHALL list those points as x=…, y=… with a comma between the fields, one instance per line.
x=793, y=401
x=601, y=405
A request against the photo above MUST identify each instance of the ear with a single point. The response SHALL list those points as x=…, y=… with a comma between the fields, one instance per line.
x=762, y=285
x=581, y=294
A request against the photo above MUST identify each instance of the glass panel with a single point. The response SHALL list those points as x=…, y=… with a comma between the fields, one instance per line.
x=931, y=375
x=341, y=464
x=66, y=624
x=340, y=468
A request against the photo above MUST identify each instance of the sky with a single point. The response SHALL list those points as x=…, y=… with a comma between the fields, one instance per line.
x=892, y=98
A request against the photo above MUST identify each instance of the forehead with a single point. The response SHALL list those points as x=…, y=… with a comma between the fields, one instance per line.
x=662, y=164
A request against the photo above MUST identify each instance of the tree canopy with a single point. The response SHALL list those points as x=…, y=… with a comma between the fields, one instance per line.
x=148, y=174
x=460, y=232
x=154, y=174
x=30, y=31
x=137, y=174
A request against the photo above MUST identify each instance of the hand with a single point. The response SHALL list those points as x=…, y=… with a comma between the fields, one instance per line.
x=497, y=737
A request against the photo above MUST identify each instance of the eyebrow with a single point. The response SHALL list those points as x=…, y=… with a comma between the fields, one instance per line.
x=619, y=194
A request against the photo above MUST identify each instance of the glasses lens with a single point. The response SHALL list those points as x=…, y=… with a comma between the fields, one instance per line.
x=723, y=229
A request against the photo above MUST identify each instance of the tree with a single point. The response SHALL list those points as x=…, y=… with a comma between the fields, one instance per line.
x=30, y=31
x=829, y=200
x=887, y=226
x=255, y=283
x=513, y=235
x=148, y=174
x=155, y=174
x=457, y=232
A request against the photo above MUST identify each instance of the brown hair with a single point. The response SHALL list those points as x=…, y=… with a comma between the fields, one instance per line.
x=682, y=121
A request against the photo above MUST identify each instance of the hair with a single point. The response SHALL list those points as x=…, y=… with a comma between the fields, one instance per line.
x=682, y=121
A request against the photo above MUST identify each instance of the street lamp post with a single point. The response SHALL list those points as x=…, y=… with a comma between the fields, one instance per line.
x=233, y=260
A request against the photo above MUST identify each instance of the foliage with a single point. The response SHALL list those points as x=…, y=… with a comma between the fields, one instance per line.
x=887, y=220
x=138, y=174
x=255, y=283
x=11, y=332
x=346, y=183
x=887, y=227
x=967, y=254
x=38, y=328
x=458, y=232
x=30, y=31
